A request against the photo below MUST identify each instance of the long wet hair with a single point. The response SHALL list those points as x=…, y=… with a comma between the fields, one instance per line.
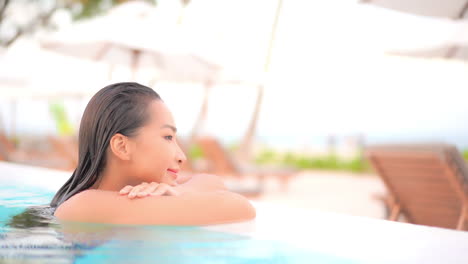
x=117, y=108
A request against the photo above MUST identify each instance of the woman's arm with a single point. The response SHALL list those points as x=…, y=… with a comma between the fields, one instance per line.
x=192, y=208
x=193, y=183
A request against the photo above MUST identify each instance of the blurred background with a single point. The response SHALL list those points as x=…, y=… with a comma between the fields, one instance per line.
x=288, y=91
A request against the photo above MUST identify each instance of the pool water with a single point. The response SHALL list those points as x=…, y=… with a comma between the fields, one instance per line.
x=29, y=233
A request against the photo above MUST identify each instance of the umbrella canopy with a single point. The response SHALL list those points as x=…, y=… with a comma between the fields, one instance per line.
x=27, y=71
x=23, y=75
x=455, y=9
x=458, y=52
x=455, y=47
x=132, y=35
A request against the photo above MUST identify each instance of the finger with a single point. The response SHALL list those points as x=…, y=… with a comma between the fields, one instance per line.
x=126, y=189
x=172, y=192
x=161, y=189
x=173, y=184
x=152, y=187
x=147, y=189
x=135, y=191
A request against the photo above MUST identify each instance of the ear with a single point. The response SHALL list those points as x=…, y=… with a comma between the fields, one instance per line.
x=120, y=146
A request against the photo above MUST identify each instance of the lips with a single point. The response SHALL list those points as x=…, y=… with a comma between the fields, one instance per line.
x=173, y=175
x=173, y=171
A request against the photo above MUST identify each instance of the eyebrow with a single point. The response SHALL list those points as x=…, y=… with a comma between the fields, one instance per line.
x=173, y=128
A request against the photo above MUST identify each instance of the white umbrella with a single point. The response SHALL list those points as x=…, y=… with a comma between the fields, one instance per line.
x=131, y=34
x=452, y=9
x=455, y=9
x=16, y=83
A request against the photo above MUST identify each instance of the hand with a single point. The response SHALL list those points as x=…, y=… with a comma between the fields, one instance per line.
x=148, y=189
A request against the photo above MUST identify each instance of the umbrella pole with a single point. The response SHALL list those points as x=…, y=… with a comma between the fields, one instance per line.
x=111, y=71
x=452, y=51
x=100, y=54
x=152, y=82
x=244, y=153
x=159, y=64
x=13, y=120
x=462, y=12
x=246, y=145
x=135, y=59
x=2, y=124
x=202, y=115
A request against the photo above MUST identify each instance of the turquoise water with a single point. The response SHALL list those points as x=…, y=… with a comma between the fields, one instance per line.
x=33, y=235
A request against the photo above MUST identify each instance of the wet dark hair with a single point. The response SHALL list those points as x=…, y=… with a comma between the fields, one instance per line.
x=117, y=108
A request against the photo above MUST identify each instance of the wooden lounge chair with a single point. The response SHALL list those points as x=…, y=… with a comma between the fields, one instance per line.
x=427, y=183
x=67, y=148
x=221, y=163
x=49, y=159
x=6, y=147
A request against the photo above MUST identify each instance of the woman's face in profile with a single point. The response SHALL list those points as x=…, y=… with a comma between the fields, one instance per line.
x=157, y=156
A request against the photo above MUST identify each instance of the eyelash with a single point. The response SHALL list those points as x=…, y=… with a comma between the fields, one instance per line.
x=168, y=137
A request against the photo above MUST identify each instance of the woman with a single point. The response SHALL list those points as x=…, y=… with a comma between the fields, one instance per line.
x=128, y=168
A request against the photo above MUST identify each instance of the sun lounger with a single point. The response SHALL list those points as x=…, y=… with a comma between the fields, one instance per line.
x=427, y=183
x=223, y=164
x=48, y=159
x=66, y=147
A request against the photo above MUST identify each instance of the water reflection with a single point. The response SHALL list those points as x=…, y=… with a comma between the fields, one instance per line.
x=30, y=233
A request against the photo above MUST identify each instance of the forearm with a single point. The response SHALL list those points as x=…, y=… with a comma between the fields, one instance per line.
x=208, y=208
x=198, y=183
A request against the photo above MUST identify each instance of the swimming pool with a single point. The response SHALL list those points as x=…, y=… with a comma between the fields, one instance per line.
x=278, y=235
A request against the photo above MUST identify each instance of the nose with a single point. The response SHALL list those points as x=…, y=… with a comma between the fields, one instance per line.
x=181, y=158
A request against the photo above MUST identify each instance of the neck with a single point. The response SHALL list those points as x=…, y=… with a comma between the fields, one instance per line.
x=112, y=178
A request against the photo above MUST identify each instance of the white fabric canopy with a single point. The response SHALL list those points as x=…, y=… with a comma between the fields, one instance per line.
x=447, y=8
x=456, y=46
x=131, y=34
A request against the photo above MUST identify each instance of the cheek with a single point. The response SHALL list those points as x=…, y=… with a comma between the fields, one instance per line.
x=148, y=161
x=153, y=156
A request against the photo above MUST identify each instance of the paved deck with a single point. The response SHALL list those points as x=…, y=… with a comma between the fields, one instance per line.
x=339, y=192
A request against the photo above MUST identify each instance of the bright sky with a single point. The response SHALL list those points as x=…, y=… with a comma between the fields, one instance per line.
x=329, y=74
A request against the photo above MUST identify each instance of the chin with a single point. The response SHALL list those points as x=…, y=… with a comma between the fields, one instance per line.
x=154, y=178
x=168, y=180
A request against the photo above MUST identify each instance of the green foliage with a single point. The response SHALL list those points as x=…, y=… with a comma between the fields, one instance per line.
x=330, y=162
x=233, y=147
x=83, y=9
x=266, y=156
x=195, y=152
x=62, y=123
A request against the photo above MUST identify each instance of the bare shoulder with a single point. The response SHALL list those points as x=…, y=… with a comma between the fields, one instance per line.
x=84, y=205
x=203, y=208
